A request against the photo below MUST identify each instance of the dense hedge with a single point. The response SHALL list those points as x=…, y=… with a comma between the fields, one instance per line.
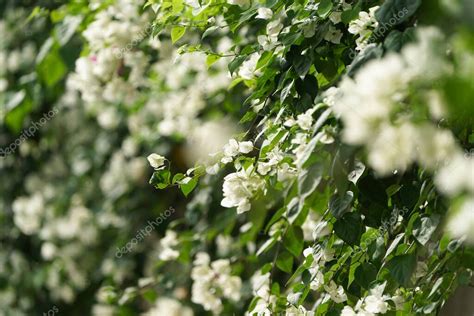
x=303, y=157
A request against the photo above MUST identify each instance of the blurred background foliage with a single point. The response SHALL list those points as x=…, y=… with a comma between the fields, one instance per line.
x=77, y=189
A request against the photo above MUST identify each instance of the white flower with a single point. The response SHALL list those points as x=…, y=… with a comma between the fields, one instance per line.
x=335, y=17
x=297, y=311
x=167, y=243
x=274, y=28
x=461, y=224
x=109, y=118
x=224, y=244
x=267, y=42
x=213, y=169
x=3, y=84
x=170, y=307
x=28, y=212
x=452, y=178
x=193, y=3
x=421, y=55
x=336, y=292
x=233, y=148
x=435, y=145
x=363, y=26
x=375, y=304
x=240, y=3
x=317, y=278
x=248, y=69
x=331, y=95
x=264, y=13
x=156, y=161
x=305, y=120
x=285, y=172
x=245, y=147
x=333, y=35
x=208, y=138
x=48, y=250
x=239, y=187
x=348, y=311
x=263, y=168
x=393, y=149
x=261, y=285
x=212, y=282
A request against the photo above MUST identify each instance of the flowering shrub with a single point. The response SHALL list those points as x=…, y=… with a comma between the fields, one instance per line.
x=304, y=157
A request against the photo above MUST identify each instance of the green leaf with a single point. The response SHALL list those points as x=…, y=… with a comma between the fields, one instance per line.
x=178, y=177
x=286, y=91
x=394, y=244
x=349, y=228
x=425, y=227
x=349, y=15
x=395, y=12
x=178, y=6
x=402, y=267
x=264, y=59
x=293, y=241
x=189, y=186
x=302, y=64
x=267, y=245
x=339, y=205
x=177, y=32
x=249, y=116
x=52, y=68
x=18, y=107
x=212, y=59
x=209, y=31
x=393, y=41
x=365, y=274
x=161, y=179
x=309, y=180
x=235, y=63
x=324, y=8
x=285, y=262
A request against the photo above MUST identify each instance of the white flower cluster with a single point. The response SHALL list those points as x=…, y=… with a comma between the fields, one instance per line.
x=170, y=307
x=116, y=74
x=213, y=282
x=261, y=289
x=320, y=257
x=167, y=246
x=179, y=109
x=28, y=213
x=105, y=77
x=367, y=105
x=374, y=113
x=333, y=34
x=373, y=304
x=239, y=187
x=363, y=27
x=233, y=148
x=462, y=222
